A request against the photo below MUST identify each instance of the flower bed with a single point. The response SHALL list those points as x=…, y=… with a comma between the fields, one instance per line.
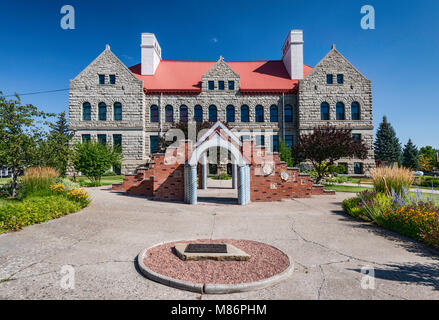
x=15, y=214
x=412, y=215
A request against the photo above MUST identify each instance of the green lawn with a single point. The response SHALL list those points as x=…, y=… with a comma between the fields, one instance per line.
x=342, y=188
x=105, y=180
x=4, y=180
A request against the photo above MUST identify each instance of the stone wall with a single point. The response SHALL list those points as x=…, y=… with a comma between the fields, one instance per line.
x=314, y=90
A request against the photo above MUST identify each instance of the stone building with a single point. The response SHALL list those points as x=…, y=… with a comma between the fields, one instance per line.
x=263, y=100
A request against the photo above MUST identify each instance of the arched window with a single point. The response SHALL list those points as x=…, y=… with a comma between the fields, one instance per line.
x=324, y=111
x=198, y=113
x=154, y=116
x=213, y=113
x=288, y=113
x=259, y=113
x=102, y=111
x=245, y=117
x=230, y=113
x=355, y=111
x=86, y=111
x=183, y=113
x=169, y=113
x=339, y=111
x=117, y=111
x=273, y=114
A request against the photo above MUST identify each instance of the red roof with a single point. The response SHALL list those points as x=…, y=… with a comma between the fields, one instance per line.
x=185, y=76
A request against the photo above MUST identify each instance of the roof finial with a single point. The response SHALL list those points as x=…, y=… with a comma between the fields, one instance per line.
x=107, y=47
x=221, y=58
x=333, y=46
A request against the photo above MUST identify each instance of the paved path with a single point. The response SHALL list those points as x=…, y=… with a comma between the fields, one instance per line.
x=102, y=241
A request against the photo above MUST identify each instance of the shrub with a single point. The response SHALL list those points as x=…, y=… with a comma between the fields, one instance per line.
x=386, y=179
x=69, y=184
x=38, y=179
x=222, y=176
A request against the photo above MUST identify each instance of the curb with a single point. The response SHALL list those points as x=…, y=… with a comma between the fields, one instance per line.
x=209, y=288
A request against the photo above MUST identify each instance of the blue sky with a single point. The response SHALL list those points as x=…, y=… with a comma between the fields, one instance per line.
x=399, y=56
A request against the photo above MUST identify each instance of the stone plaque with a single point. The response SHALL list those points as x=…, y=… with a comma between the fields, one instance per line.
x=206, y=248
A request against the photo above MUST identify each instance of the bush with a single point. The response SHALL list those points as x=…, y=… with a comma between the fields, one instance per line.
x=352, y=206
x=110, y=174
x=222, y=176
x=37, y=179
x=431, y=182
x=16, y=214
x=69, y=184
x=386, y=179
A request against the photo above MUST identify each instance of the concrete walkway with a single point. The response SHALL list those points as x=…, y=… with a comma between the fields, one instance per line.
x=101, y=242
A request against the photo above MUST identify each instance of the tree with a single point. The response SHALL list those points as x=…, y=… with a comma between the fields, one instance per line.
x=425, y=163
x=93, y=159
x=410, y=156
x=429, y=153
x=325, y=145
x=285, y=153
x=19, y=133
x=59, y=144
x=387, y=146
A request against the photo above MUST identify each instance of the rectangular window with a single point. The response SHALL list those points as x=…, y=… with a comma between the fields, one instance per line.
x=289, y=141
x=101, y=79
x=117, y=112
x=221, y=85
x=211, y=85
x=153, y=144
x=356, y=136
x=339, y=78
x=329, y=79
x=86, y=138
x=112, y=79
x=117, y=141
x=275, y=143
x=358, y=167
x=231, y=85
x=244, y=137
x=260, y=141
x=102, y=138
x=86, y=112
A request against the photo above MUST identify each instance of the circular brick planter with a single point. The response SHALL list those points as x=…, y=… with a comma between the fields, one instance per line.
x=267, y=266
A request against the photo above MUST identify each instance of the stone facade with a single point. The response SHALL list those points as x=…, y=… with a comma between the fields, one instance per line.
x=136, y=127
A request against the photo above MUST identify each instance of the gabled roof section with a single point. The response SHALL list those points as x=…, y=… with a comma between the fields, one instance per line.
x=184, y=77
x=221, y=129
x=331, y=53
x=105, y=55
x=221, y=68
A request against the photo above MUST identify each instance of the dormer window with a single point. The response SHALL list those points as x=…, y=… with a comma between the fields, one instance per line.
x=339, y=78
x=231, y=85
x=211, y=85
x=221, y=85
x=102, y=79
x=329, y=79
x=112, y=79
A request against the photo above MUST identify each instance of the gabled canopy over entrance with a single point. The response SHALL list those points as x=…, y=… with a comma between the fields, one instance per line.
x=217, y=136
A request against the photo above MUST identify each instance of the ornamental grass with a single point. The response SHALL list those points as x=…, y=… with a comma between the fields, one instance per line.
x=38, y=179
x=386, y=179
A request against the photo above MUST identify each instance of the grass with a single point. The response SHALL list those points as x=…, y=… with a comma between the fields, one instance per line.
x=105, y=181
x=341, y=188
x=5, y=180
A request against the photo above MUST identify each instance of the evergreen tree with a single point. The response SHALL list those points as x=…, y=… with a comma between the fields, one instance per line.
x=285, y=153
x=59, y=144
x=387, y=146
x=410, y=156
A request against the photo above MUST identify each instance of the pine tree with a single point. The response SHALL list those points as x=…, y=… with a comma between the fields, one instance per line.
x=410, y=156
x=285, y=153
x=59, y=144
x=387, y=146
